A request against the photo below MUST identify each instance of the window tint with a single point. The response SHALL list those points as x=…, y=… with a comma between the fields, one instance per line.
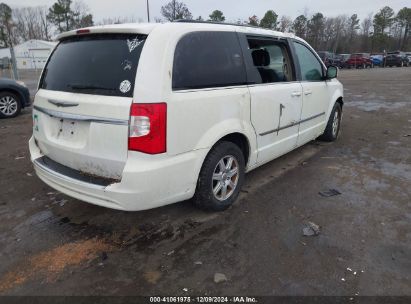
x=94, y=64
x=310, y=66
x=271, y=60
x=208, y=59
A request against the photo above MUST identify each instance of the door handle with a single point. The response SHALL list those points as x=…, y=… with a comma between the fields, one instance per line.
x=308, y=92
x=296, y=94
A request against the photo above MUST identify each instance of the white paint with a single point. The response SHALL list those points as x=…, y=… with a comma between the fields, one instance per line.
x=196, y=120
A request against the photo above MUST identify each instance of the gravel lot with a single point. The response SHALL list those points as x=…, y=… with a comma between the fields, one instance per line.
x=51, y=244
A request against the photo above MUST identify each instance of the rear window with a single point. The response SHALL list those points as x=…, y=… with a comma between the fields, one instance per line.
x=95, y=64
x=207, y=60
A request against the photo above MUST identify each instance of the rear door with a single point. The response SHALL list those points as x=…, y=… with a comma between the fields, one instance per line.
x=276, y=98
x=82, y=108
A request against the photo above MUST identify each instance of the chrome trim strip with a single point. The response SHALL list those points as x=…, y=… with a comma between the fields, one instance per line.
x=63, y=104
x=79, y=117
x=292, y=124
x=67, y=178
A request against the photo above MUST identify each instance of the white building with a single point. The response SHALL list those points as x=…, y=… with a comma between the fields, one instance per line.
x=33, y=54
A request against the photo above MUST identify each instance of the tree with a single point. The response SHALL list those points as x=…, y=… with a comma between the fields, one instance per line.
x=353, y=27
x=383, y=19
x=285, y=24
x=217, y=16
x=6, y=26
x=269, y=20
x=31, y=23
x=61, y=15
x=66, y=18
x=300, y=26
x=404, y=20
x=81, y=15
x=200, y=18
x=253, y=20
x=315, y=29
x=175, y=10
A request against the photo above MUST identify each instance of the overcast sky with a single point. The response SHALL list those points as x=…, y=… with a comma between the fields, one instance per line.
x=232, y=9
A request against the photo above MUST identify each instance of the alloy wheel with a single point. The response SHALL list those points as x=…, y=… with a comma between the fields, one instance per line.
x=225, y=178
x=8, y=106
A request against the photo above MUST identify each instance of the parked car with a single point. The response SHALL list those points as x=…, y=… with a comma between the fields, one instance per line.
x=139, y=116
x=377, y=59
x=341, y=60
x=408, y=56
x=327, y=57
x=398, y=59
x=360, y=60
x=14, y=96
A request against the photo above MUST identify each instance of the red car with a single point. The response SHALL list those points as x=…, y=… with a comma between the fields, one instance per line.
x=361, y=60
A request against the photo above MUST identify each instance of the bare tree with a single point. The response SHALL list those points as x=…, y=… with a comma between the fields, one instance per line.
x=285, y=24
x=175, y=10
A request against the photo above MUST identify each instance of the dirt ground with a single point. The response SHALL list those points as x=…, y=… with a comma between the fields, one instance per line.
x=51, y=244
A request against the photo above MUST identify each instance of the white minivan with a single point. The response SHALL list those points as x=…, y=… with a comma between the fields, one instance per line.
x=137, y=116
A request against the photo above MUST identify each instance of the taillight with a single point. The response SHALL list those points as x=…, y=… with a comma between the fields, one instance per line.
x=148, y=127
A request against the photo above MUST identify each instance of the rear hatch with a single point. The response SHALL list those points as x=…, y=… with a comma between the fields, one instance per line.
x=82, y=108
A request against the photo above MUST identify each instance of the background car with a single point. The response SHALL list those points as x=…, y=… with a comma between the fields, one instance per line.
x=14, y=96
x=341, y=60
x=377, y=59
x=398, y=59
x=326, y=57
x=360, y=60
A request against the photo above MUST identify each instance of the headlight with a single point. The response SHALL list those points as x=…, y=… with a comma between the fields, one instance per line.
x=21, y=83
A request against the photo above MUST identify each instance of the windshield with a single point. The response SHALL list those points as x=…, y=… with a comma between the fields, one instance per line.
x=95, y=64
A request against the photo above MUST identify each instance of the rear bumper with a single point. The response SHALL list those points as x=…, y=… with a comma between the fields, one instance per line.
x=147, y=181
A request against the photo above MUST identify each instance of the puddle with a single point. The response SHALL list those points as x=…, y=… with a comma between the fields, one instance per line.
x=371, y=106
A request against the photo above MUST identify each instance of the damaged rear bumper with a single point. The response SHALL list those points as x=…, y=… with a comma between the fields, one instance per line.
x=146, y=182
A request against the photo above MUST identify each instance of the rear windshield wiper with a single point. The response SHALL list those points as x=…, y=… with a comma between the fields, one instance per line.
x=88, y=87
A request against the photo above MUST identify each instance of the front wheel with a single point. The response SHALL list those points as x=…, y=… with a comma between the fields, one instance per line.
x=333, y=127
x=221, y=177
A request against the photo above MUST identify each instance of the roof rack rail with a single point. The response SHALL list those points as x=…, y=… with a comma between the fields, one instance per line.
x=214, y=22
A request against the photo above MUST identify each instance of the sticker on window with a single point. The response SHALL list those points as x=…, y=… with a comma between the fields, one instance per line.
x=133, y=44
x=127, y=65
x=125, y=86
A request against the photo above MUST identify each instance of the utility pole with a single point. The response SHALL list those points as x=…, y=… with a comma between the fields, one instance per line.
x=148, y=12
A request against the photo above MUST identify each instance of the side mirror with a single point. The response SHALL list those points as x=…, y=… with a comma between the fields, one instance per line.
x=332, y=72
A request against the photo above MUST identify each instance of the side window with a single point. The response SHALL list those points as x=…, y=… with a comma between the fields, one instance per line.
x=311, y=68
x=207, y=60
x=271, y=60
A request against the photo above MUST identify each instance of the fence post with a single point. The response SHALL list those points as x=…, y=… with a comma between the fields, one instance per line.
x=14, y=63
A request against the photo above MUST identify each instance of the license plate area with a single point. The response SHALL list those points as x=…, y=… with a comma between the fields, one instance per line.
x=67, y=128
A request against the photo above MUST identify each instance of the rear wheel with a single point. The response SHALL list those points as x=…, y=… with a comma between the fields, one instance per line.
x=10, y=105
x=333, y=127
x=221, y=177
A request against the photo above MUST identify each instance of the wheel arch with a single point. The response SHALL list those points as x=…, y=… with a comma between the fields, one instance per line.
x=14, y=92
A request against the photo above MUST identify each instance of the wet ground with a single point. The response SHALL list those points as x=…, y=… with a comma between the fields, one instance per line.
x=51, y=244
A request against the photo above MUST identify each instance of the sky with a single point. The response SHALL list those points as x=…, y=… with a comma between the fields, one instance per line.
x=232, y=9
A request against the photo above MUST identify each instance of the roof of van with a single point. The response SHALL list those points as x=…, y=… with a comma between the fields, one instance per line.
x=146, y=28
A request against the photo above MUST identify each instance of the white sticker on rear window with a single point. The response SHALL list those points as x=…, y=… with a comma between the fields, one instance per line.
x=132, y=44
x=125, y=86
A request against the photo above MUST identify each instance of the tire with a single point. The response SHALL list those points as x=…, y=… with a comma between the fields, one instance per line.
x=10, y=105
x=214, y=178
x=333, y=127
